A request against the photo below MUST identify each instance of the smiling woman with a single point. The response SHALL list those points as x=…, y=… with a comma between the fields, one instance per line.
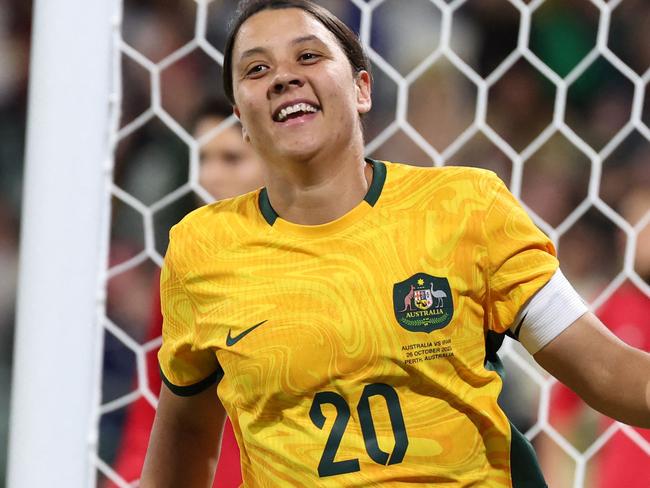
x=350, y=311
x=299, y=92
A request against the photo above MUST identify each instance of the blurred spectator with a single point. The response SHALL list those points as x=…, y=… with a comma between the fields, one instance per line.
x=228, y=167
x=8, y=280
x=14, y=53
x=15, y=23
x=8, y=276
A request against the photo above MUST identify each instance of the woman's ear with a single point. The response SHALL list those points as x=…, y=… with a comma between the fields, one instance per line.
x=363, y=82
x=244, y=134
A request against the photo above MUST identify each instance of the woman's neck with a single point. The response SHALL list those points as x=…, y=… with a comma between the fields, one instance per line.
x=318, y=191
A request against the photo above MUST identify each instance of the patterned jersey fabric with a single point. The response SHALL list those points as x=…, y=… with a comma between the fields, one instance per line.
x=353, y=353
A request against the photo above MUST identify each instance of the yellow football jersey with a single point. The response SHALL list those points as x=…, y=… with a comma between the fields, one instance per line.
x=356, y=353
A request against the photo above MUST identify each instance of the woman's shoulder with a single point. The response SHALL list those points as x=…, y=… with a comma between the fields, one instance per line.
x=435, y=182
x=455, y=172
x=218, y=217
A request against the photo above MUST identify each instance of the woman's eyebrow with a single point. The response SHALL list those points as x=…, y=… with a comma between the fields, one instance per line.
x=307, y=38
x=252, y=52
x=262, y=50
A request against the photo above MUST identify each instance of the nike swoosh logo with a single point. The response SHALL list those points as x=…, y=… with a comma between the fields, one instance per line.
x=231, y=341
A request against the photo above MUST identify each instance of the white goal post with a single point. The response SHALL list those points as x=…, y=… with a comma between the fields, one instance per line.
x=63, y=244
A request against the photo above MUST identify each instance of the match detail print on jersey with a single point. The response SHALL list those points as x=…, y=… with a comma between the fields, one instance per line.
x=423, y=303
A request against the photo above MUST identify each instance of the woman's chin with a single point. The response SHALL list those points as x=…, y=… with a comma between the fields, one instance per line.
x=299, y=151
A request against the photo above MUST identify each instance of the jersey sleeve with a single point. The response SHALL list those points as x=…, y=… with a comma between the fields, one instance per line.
x=185, y=368
x=522, y=259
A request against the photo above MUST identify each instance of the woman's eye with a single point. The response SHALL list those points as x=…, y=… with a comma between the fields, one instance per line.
x=256, y=70
x=308, y=56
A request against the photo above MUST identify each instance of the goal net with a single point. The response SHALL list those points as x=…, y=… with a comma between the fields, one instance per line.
x=551, y=95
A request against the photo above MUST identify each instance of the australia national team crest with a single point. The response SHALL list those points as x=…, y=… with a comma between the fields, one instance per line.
x=423, y=303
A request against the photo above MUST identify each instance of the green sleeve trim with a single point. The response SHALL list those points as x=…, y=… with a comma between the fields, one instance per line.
x=196, y=388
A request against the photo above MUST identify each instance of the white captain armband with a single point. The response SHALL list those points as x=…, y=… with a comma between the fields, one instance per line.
x=550, y=311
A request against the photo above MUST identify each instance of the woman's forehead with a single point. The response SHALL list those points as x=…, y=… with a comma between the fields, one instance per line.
x=279, y=27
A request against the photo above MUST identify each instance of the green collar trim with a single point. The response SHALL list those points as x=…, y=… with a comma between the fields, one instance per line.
x=378, y=180
x=269, y=214
x=373, y=194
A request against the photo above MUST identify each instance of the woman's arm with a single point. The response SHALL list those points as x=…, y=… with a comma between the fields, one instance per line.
x=185, y=441
x=609, y=375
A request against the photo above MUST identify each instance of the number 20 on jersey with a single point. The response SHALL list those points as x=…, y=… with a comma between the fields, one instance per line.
x=327, y=466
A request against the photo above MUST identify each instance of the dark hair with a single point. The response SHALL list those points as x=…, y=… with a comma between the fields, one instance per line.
x=347, y=39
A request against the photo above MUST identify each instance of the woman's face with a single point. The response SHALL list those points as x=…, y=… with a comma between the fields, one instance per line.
x=294, y=89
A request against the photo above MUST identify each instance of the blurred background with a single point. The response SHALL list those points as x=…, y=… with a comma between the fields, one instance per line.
x=443, y=104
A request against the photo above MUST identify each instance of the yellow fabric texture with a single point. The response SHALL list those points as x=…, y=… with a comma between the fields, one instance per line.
x=324, y=298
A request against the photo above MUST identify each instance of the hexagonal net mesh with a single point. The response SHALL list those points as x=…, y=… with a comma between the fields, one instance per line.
x=552, y=95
